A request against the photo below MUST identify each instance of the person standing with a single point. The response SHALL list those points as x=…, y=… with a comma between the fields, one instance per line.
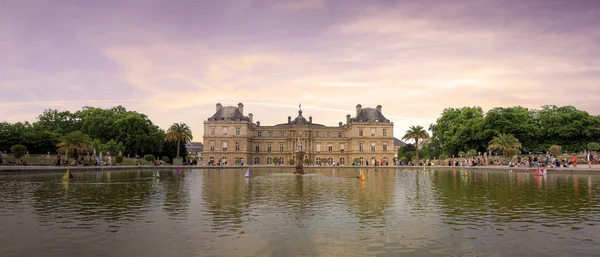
x=589, y=158
x=575, y=161
x=57, y=160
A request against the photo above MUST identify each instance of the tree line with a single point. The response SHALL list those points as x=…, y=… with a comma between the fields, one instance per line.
x=115, y=130
x=460, y=131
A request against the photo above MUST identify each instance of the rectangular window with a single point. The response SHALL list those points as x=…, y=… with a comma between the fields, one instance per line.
x=341, y=148
x=372, y=132
x=257, y=148
x=269, y=148
x=361, y=147
x=259, y=133
x=316, y=134
x=212, y=131
x=385, y=132
x=225, y=146
x=281, y=147
x=360, y=132
x=372, y=147
x=318, y=147
x=270, y=133
x=225, y=131
x=339, y=134
x=328, y=134
x=282, y=133
x=212, y=146
x=237, y=146
x=237, y=131
x=330, y=148
x=385, y=147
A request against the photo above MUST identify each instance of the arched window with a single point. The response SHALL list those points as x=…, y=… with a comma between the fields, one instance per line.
x=330, y=161
x=342, y=161
x=318, y=161
x=269, y=160
x=211, y=160
x=256, y=160
x=362, y=161
x=281, y=160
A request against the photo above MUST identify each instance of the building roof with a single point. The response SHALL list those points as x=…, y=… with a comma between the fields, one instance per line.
x=194, y=144
x=369, y=115
x=398, y=142
x=300, y=121
x=229, y=113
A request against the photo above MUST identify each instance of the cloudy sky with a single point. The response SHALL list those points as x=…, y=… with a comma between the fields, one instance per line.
x=174, y=60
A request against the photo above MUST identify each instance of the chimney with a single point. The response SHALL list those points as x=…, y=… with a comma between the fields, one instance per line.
x=310, y=119
x=241, y=108
x=250, y=116
x=379, y=108
x=348, y=119
x=358, y=108
x=258, y=123
x=289, y=119
x=219, y=106
x=340, y=124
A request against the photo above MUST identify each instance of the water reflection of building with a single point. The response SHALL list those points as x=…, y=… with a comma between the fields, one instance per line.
x=230, y=136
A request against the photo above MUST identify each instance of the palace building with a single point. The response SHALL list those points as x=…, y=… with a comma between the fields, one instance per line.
x=232, y=138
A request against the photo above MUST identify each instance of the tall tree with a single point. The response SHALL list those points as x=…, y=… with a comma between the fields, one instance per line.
x=504, y=142
x=179, y=132
x=75, y=142
x=416, y=133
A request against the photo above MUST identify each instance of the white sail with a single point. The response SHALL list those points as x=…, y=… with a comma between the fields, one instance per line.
x=248, y=174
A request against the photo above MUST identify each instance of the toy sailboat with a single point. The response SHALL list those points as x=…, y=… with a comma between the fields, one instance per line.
x=544, y=172
x=464, y=172
x=539, y=173
x=68, y=175
x=361, y=176
x=156, y=174
x=248, y=174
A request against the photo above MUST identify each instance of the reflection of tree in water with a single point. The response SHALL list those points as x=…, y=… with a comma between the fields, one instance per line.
x=85, y=201
x=369, y=199
x=514, y=196
x=177, y=194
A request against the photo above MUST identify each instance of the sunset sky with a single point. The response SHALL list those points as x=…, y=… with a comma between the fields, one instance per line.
x=174, y=60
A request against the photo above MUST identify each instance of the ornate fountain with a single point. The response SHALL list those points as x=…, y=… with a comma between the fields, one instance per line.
x=299, y=157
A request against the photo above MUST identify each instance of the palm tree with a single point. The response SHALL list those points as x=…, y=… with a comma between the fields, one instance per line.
x=76, y=142
x=179, y=132
x=416, y=133
x=504, y=142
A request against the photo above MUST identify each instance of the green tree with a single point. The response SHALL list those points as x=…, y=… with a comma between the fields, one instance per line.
x=458, y=129
x=18, y=151
x=75, y=142
x=504, y=142
x=471, y=153
x=275, y=160
x=593, y=146
x=149, y=157
x=416, y=133
x=555, y=150
x=180, y=133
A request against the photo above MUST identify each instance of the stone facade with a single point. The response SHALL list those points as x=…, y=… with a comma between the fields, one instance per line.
x=232, y=138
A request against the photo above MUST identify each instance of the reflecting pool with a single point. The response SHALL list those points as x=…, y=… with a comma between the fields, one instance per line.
x=328, y=212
